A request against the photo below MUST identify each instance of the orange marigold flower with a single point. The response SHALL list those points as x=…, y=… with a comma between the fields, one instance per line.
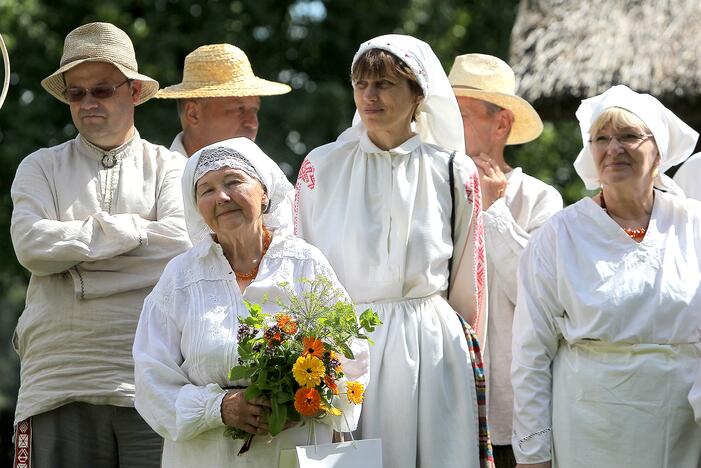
x=355, y=392
x=331, y=384
x=307, y=401
x=313, y=347
x=286, y=324
x=273, y=336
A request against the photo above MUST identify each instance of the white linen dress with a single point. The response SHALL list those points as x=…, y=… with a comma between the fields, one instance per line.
x=382, y=218
x=186, y=343
x=607, y=334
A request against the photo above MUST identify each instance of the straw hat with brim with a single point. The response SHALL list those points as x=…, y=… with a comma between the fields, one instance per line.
x=99, y=42
x=220, y=70
x=490, y=79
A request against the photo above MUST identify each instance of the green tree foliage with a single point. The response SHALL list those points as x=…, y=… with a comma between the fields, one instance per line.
x=306, y=43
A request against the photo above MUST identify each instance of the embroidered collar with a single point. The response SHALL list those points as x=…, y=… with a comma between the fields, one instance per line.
x=367, y=146
x=109, y=158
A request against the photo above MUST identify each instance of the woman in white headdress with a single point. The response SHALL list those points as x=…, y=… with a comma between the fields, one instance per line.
x=186, y=340
x=378, y=202
x=606, y=329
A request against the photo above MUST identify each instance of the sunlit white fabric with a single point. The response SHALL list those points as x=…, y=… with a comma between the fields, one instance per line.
x=688, y=177
x=597, y=317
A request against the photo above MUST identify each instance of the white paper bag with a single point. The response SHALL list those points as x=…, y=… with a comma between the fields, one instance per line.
x=365, y=453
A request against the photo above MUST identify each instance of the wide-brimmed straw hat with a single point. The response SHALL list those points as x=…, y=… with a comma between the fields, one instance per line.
x=220, y=70
x=99, y=42
x=490, y=79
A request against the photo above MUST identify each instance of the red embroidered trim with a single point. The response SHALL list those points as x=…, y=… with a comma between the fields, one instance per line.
x=480, y=259
x=296, y=208
x=468, y=191
x=306, y=174
x=23, y=444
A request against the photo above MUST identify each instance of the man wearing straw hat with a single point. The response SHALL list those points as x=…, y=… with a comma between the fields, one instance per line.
x=219, y=97
x=95, y=221
x=514, y=205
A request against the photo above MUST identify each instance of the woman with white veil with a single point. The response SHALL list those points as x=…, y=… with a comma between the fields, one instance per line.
x=393, y=203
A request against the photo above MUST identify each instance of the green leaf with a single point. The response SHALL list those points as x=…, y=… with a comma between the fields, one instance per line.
x=284, y=397
x=345, y=349
x=277, y=417
x=369, y=320
x=240, y=372
x=251, y=392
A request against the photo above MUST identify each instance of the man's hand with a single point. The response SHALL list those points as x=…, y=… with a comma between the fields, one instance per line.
x=492, y=180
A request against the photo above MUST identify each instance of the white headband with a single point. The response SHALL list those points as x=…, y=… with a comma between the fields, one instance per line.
x=213, y=159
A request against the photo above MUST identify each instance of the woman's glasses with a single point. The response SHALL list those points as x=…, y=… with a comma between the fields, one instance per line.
x=75, y=94
x=627, y=140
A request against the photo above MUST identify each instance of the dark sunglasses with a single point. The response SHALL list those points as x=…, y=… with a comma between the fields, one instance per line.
x=75, y=94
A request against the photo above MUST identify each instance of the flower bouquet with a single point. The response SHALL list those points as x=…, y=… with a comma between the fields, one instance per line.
x=292, y=357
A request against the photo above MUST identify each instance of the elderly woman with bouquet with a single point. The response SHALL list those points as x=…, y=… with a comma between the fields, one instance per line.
x=607, y=327
x=187, y=339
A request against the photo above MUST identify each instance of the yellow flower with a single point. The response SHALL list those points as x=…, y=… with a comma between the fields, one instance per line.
x=331, y=410
x=355, y=391
x=308, y=371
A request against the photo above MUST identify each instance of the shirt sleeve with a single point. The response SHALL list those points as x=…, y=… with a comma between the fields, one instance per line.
x=507, y=239
x=535, y=343
x=468, y=279
x=45, y=246
x=173, y=406
x=163, y=238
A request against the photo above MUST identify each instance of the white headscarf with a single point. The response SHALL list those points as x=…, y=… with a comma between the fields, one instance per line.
x=438, y=118
x=675, y=139
x=266, y=170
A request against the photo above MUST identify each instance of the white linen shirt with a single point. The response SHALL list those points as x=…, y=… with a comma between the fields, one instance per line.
x=688, y=177
x=186, y=343
x=95, y=240
x=583, y=278
x=178, y=146
x=508, y=225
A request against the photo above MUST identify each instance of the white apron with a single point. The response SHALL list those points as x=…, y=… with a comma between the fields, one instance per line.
x=420, y=398
x=624, y=406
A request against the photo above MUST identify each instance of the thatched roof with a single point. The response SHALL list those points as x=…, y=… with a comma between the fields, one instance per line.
x=566, y=50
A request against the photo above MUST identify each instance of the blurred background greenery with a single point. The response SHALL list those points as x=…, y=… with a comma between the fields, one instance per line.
x=306, y=43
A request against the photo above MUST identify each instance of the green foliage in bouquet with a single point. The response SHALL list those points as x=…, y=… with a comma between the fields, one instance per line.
x=292, y=357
